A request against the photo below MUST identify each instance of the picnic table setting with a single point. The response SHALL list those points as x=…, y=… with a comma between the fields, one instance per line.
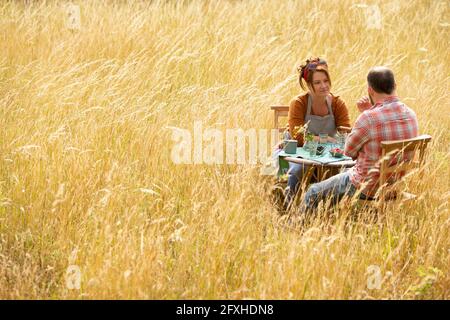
x=327, y=151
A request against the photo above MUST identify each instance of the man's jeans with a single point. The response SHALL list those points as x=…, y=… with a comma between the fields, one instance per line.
x=334, y=188
x=295, y=175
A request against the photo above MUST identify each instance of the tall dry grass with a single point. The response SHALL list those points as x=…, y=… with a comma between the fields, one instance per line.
x=86, y=177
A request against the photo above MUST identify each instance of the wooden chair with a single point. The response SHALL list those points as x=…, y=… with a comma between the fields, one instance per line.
x=279, y=111
x=343, y=129
x=394, y=164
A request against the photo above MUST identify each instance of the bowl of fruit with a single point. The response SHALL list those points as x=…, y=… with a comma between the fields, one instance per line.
x=337, y=153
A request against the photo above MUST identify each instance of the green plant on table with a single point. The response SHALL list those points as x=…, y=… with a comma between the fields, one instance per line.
x=309, y=136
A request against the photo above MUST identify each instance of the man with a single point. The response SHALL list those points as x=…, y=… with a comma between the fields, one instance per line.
x=383, y=117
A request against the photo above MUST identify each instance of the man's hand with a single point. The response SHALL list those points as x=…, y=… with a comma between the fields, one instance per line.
x=363, y=104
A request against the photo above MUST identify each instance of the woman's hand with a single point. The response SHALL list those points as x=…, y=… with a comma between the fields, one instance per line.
x=363, y=104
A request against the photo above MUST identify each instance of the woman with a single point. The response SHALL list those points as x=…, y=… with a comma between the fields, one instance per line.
x=323, y=112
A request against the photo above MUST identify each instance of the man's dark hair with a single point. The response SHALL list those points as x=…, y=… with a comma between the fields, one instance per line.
x=381, y=79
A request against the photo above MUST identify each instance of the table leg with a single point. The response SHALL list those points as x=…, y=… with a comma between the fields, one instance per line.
x=307, y=175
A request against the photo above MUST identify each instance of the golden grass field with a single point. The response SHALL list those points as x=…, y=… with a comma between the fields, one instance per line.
x=86, y=177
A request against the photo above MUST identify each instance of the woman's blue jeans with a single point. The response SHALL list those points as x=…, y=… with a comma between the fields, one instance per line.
x=295, y=175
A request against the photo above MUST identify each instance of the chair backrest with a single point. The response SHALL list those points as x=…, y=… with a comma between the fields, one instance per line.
x=279, y=111
x=400, y=156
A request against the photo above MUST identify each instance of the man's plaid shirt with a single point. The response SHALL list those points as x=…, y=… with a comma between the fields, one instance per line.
x=389, y=120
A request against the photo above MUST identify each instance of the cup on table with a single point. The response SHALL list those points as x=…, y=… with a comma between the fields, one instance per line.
x=306, y=146
x=340, y=139
x=290, y=146
x=323, y=138
x=313, y=148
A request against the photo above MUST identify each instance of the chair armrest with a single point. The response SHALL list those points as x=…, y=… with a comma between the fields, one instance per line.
x=279, y=108
x=343, y=128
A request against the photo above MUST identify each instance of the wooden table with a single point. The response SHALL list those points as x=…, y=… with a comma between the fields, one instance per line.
x=324, y=170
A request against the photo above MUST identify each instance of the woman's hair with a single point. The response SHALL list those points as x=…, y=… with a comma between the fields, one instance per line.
x=307, y=70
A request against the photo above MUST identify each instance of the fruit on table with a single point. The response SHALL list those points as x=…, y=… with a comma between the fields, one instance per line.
x=336, y=152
